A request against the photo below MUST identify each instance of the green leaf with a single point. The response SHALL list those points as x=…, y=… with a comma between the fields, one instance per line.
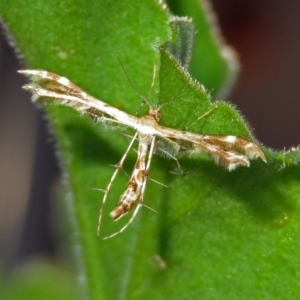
x=39, y=280
x=216, y=235
x=213, y=62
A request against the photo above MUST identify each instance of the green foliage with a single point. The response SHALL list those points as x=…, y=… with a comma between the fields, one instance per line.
x=213, y=62
x=39, y=280
x=216, y=235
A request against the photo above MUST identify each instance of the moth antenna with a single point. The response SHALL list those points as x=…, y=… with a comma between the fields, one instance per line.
x=144, y=99
x=202, y=116
x=173, y=98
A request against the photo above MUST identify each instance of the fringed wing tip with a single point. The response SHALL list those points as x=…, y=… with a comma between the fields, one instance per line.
x=29, y=73
x=255, y=152
x=232, y=160
x=232, y=163
x=32, y=88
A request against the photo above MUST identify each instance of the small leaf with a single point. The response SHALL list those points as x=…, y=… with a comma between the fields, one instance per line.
x=213, y=62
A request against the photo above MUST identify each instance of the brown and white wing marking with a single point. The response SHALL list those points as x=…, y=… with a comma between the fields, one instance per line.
x=235, y=143
x=221, y=155
x=45, y=84
x=228, y=151
x=60, y=90
x=230, y=155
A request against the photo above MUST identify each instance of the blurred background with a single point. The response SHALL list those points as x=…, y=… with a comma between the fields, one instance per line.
x=265, y=33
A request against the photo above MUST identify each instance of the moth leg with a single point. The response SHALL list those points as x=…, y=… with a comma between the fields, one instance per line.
x=106, y=191
x=141, y=197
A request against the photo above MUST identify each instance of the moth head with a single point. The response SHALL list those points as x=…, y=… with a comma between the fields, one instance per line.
x=155, y=114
